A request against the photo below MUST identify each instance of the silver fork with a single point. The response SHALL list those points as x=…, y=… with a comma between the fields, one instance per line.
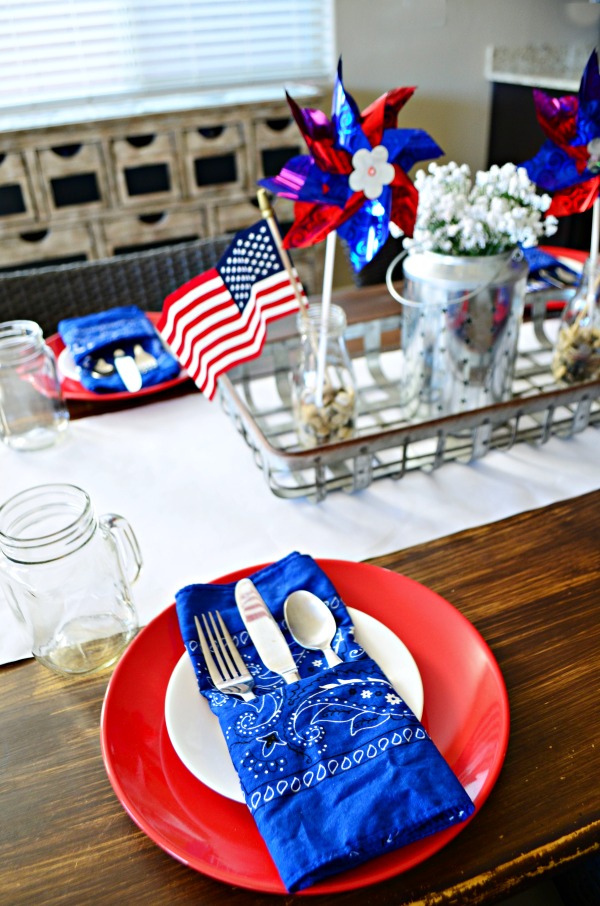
x=229, y=672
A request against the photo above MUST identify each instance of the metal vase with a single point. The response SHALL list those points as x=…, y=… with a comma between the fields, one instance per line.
x=460, y=327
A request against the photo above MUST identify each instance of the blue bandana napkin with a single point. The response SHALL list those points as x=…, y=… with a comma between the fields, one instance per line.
x=547, y=271
x=95, y=336
x=335, y=768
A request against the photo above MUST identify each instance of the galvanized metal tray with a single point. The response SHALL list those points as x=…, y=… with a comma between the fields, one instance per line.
x=388, y=443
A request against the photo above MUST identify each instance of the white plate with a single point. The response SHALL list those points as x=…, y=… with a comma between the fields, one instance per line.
x=194, y=730
x=67, y=366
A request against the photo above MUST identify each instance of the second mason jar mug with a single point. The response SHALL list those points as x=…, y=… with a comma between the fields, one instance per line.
x=33, y=414
x=67, y=574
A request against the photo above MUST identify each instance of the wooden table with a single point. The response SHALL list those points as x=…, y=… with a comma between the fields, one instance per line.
x=530, y=586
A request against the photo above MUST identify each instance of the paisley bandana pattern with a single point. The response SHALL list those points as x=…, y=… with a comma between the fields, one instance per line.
x=291, y=739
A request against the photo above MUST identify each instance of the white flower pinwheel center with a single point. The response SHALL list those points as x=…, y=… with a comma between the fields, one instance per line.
x=371, y=171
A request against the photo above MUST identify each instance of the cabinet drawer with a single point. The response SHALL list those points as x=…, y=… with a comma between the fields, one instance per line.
x=145, y=168
x=229, y=218
x=243, y=213
x=128, y=233
x=57, y=244
x=277, y=139
x=73, y=178
x=236, y=216
x=216, y=160
x=16, y=199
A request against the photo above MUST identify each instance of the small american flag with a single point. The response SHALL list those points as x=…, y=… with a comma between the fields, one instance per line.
x=219, y=319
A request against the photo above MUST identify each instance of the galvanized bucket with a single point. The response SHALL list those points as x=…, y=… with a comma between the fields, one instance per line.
x=460, y=327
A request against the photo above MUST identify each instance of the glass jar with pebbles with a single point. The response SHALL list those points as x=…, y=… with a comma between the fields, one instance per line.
x=577, y=348
x=324, y=398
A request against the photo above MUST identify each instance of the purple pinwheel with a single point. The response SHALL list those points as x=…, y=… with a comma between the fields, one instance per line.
x=354, y=180
x=568, y=163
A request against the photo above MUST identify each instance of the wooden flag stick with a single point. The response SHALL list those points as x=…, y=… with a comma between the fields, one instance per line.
x=267, y=211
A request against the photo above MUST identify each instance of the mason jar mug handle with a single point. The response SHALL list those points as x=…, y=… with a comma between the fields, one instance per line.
x=127, y=545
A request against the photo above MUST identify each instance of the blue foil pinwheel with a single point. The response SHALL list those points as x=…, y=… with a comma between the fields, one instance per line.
x=354, y=180
x=568, y=163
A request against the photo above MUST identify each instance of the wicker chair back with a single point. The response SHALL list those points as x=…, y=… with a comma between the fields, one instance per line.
x=48, y=294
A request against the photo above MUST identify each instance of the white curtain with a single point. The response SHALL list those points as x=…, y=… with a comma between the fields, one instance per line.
x=61, y=50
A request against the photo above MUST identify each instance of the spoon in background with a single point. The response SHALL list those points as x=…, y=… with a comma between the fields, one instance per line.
x=311, y=624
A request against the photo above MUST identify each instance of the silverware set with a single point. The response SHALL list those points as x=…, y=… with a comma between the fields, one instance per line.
x=561, y=278
x=311, y=624
x=130, y=367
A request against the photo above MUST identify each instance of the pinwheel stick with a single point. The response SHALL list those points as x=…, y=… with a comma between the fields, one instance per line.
x=325, y=307
x=595, y=234
x=593, y=265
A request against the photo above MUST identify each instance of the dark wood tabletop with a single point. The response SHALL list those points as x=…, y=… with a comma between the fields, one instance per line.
x=529, y=584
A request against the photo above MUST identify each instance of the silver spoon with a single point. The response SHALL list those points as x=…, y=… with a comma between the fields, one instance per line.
x=101, y=368
x=311, y=624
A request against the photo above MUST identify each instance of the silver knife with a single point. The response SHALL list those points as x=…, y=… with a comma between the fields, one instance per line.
x=128, y=371
x=262, y=628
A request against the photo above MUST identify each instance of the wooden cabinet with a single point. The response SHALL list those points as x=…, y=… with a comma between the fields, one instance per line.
x=96, y=189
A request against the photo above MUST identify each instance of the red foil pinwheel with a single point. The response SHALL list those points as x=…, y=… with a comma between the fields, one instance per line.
x=354, y=180
x=568, y=163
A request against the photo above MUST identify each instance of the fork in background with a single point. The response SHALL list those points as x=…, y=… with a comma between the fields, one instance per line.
x=228, y=672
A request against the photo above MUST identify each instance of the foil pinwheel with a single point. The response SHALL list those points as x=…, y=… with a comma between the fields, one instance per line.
x=568, y=163
x=355, y=178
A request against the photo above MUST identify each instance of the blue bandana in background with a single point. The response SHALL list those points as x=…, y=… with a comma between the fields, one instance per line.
x=97, y=335
x=336, y=769
x=545, y=270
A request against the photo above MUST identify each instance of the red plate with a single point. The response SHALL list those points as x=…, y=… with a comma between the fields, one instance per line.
x=466, y=713
x=560, y=252
x=73, y=390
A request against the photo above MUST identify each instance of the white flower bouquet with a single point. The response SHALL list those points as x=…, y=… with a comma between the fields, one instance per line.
x=489, y=215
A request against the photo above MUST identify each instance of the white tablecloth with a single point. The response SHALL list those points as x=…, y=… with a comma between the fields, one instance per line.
x=181, y=474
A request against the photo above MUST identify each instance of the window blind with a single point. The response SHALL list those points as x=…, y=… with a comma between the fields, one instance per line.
x=67, y=50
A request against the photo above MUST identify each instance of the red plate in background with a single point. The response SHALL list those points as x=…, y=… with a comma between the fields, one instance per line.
x=73, y=390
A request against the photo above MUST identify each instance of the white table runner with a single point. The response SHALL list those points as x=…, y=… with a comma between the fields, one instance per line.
x=181, y=474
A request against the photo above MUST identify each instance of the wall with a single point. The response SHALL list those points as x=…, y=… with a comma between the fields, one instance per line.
x=439, y=46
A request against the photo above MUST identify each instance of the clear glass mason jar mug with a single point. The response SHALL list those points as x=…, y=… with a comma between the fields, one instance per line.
x=67, y=574
x=324, y=398
x=33, y=414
